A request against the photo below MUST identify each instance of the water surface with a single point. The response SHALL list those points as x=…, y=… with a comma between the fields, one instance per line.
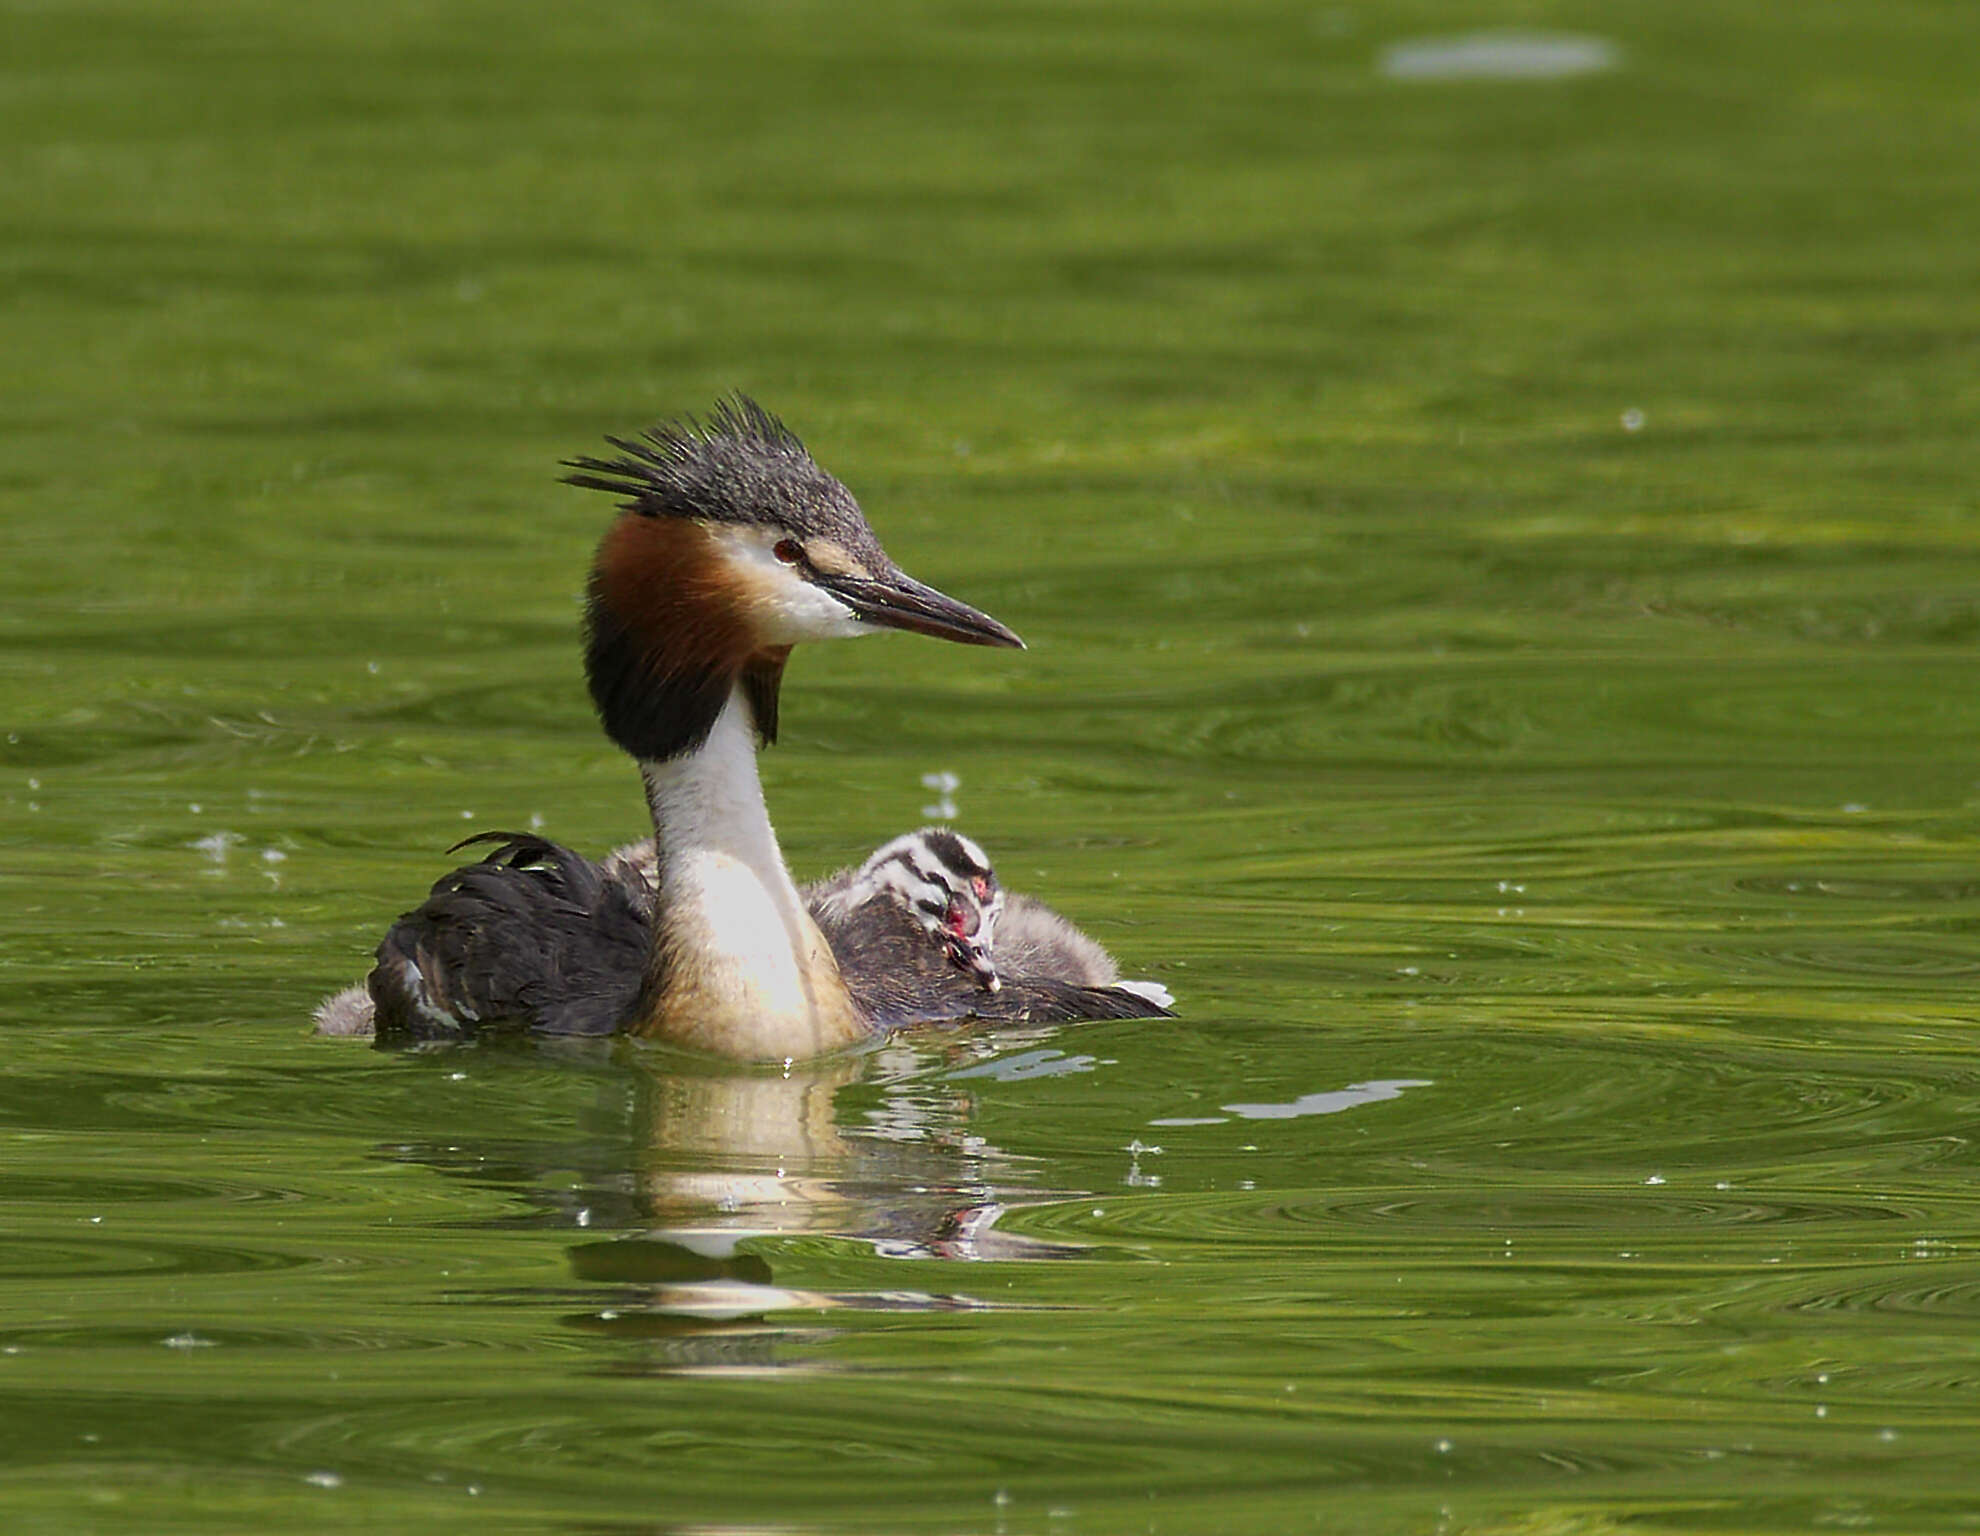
x=1499, y=558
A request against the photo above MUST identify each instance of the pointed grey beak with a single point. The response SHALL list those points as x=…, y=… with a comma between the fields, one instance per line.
x=898, y=601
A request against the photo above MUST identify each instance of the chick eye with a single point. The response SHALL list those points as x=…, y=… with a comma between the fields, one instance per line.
x=788, y=550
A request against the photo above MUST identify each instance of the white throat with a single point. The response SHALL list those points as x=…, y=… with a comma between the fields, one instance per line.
x=747, y=972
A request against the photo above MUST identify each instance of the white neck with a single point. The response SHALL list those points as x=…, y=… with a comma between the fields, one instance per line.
x=744, y=971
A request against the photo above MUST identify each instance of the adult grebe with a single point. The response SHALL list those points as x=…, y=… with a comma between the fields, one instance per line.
x=731, y=546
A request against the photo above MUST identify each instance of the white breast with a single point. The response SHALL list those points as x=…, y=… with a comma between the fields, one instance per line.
x=750, y=974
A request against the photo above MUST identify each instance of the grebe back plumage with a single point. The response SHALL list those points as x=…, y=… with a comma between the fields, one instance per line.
x=731, y=546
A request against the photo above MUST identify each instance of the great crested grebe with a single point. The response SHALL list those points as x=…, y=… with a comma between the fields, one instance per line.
x=731, y=546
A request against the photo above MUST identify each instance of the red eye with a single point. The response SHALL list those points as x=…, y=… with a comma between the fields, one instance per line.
x=956, y=920
x=788, y=550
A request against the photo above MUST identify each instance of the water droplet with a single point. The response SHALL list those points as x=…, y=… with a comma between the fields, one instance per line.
x=187, y=1341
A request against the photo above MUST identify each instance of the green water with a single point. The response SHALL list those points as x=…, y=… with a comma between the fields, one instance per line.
x=1500, y=558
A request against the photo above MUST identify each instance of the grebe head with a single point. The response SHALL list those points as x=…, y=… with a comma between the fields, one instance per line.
x=731, y=546
x=947, y=886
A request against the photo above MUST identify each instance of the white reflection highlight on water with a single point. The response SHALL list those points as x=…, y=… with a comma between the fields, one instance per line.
x=1331, y=1103
x=1015, y=1069
x=1499, y=56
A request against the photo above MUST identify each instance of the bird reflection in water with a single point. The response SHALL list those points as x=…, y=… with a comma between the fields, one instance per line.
x=717, y=1168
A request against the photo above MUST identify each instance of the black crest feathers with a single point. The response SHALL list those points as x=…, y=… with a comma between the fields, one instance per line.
x=699, y=468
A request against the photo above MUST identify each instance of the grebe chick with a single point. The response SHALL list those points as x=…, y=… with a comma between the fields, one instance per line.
x=937, y=879
x=730, y=547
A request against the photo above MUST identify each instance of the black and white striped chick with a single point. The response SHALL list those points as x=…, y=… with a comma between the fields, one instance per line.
x=938, y=880
x=731, y=546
